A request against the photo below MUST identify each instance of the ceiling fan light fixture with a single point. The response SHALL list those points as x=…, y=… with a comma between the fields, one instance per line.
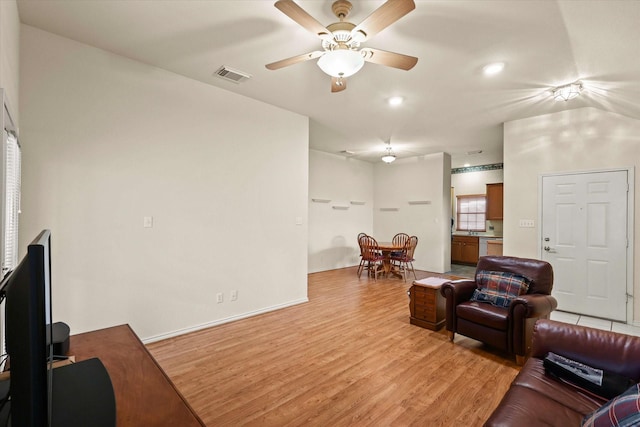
x=388, y=157
x=359, y=36
x=567, y=92
x=341, y=62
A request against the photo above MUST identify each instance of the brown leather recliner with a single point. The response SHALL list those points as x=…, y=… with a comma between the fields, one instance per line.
x=509, y=329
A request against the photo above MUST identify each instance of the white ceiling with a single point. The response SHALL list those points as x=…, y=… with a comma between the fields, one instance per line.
x=449, y=104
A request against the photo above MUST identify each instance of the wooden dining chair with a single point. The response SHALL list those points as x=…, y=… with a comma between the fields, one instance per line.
x=399, y=240
x=403, y=261
x=371, y=255
x=362, y=260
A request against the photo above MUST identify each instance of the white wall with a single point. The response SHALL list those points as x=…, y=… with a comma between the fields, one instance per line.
x=9, y=54
x=425, y=178
x=573, y=140
x=333, y=232
x=107, y=141
x=475, y=182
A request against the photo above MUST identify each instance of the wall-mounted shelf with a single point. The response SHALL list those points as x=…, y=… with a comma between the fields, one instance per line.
x=355, y=202
x=341, y=208
x=419, y=202
x=321, y=200
x=388, y=209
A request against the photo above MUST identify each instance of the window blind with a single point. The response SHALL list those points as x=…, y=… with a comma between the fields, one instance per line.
x=12, y=164
x=471, y=213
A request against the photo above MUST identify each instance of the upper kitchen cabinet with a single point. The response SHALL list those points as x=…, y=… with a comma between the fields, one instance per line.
x=494, y=201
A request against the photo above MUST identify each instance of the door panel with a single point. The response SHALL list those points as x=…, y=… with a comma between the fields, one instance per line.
x=584, y=231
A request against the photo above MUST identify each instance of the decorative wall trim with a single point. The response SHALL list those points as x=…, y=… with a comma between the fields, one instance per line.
x=388, y=209
x=341, y=208
x=480, y=168
x=419, y=202
x=321, y=200
x=355, y=202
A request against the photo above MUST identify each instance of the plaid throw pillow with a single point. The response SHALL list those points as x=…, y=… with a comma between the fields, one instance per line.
x=621, y=411
x=499, y=288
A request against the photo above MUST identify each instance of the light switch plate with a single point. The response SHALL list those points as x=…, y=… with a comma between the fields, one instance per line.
x=527, y=223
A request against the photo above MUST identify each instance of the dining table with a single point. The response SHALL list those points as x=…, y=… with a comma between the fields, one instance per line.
x=387, y=248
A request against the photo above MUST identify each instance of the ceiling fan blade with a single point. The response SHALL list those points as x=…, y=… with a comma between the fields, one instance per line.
x=298, y=14
x=338, y=84
x=381, y=18
x=390, y=59
x=294, y=60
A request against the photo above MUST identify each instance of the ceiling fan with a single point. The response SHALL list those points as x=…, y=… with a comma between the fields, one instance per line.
x=386, y=152
x=341, y=55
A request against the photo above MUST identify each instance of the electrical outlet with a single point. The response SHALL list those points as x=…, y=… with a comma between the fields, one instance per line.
x=527, y=223
x=234, y=295
x=219, y=297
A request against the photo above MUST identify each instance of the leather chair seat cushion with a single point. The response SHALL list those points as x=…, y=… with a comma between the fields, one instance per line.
x=532, y=376
x=523, y=406
x=535, y=399
x=484, y=314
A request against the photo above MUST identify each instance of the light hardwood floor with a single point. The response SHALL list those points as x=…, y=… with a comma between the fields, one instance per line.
x=348, y=357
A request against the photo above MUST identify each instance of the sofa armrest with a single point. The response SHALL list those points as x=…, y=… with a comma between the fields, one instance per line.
x=532, y=305
x=610, y=351
x=455, y=292
x=458, y=290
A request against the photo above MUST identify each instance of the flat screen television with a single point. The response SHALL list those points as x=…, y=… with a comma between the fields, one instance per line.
x=28, y=320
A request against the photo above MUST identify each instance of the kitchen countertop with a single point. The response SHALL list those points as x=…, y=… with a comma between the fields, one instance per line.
x=487, y=235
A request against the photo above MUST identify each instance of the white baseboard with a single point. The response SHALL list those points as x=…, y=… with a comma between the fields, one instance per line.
x=217, y=322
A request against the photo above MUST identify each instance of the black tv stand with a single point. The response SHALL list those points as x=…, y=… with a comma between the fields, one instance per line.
x=82, y=396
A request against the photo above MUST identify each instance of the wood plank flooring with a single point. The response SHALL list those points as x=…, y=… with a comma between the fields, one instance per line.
x=348, y=357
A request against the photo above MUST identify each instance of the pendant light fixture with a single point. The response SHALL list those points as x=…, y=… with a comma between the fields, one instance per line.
x=388, y=157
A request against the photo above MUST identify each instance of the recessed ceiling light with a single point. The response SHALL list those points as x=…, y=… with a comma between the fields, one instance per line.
x=394, y=101
x=492, y=69
x=466, y=165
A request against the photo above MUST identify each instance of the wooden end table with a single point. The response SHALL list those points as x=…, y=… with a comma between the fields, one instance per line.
x=426, y=305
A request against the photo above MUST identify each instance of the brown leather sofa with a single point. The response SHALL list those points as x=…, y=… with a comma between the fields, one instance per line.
x=536, y=399
x=508, y=329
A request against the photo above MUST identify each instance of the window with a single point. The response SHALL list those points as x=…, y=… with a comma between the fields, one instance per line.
x=472, y=213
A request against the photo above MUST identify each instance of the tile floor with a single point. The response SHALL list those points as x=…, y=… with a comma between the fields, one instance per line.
x=607, y=325
x=462, y=270
x=562, y=316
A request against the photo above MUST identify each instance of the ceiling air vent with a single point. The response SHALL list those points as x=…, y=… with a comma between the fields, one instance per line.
x=232, y=75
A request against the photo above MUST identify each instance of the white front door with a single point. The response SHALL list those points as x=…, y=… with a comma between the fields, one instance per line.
x=584, y=238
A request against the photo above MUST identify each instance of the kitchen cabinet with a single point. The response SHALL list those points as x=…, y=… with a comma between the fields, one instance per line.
x=483, y=243
x=495, y=201
x=494, y=247
x=464, y=250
